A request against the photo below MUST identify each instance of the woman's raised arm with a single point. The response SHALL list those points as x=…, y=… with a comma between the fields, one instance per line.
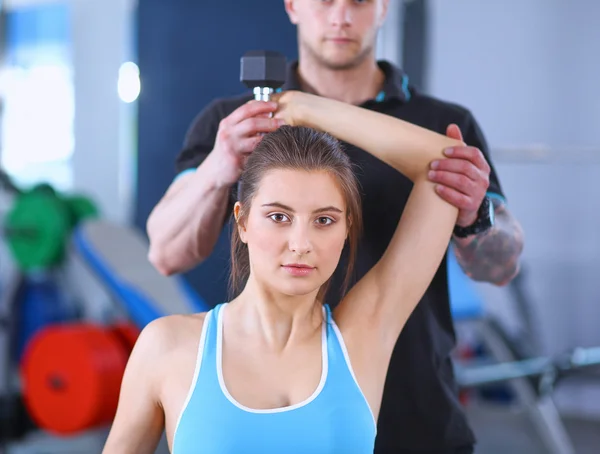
x=375, y=310
x=404, y=146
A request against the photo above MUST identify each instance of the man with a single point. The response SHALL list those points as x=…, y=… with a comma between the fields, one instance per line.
x=420, y=410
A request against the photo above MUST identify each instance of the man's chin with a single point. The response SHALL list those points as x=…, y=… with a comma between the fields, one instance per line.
x=341, y=62
x=337, y=57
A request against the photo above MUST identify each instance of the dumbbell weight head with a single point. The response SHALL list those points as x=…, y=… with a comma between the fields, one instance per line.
x=263, y=71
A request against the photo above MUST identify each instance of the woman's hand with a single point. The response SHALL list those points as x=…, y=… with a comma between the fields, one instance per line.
x=294, y=106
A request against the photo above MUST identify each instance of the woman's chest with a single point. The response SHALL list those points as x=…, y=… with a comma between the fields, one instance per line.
x=252, y=377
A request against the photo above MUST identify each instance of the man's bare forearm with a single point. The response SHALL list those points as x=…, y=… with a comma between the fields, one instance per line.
x=494, y=255
x=185, y=225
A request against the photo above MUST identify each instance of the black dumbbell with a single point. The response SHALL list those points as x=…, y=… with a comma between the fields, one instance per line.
x=263, y=71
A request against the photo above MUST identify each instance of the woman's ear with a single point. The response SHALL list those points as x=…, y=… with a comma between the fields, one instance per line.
x=237, y=212
x=348, y=227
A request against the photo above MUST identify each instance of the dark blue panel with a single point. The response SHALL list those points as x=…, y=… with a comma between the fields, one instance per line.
x=189, y=53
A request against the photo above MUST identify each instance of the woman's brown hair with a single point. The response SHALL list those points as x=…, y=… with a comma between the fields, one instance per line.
x=296, y=148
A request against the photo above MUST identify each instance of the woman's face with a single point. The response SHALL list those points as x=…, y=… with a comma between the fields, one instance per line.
x=295, y=230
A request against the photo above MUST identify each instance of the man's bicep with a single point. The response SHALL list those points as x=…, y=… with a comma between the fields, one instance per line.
x=473, y=136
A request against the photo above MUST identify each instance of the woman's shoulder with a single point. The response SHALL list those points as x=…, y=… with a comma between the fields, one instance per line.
x=170, y=334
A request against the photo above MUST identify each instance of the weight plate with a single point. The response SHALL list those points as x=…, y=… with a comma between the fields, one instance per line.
x=44, y=188
x=80, y=208
x=72, y=377
x=37, y=228
x=127, y=334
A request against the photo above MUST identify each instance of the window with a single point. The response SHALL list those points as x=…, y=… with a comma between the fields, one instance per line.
x=36, y=85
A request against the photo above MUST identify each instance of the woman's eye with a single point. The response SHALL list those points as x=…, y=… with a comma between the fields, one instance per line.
x=278, y=217
x=324, y=221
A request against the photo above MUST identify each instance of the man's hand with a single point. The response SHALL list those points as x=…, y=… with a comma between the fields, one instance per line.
x=238, y=136
x=463, y=178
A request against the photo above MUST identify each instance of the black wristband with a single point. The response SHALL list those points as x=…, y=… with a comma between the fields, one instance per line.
x=484, y=221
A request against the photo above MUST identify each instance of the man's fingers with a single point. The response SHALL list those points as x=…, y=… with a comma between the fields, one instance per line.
x=461, y=166
x=266, y=115
x=453, y=197
x=248, y=144
x=470, y=154
x=456, y=181
x=453, y=131
x=251, y=109
x=256, y=125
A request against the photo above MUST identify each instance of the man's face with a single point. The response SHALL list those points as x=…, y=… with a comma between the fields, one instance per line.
x=338, y=34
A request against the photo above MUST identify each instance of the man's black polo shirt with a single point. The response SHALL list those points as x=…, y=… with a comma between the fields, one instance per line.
x=420, y=410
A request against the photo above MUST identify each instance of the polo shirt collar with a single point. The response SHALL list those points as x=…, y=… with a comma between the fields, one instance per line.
x=395, y=84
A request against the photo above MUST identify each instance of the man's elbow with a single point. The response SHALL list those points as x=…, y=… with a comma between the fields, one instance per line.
x=161, y=263
x=508, y=277
x=510, y=270
x=169, y=263
x=160, y=251
x=499, y=273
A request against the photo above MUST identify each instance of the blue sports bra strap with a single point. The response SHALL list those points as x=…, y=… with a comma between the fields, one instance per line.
x=210, y=343
x=218, y=308
x=328, y=313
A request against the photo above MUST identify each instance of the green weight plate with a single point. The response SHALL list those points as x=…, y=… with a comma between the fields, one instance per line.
x=44, y=188
x=37, y=229
x=80, y=208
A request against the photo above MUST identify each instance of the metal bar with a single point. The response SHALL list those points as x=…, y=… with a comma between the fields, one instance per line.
x=540, y=409
x=582, y=357
x=469, y=377
x=474, y=375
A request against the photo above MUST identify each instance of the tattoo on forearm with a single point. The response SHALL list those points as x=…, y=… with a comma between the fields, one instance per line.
x=494, y=255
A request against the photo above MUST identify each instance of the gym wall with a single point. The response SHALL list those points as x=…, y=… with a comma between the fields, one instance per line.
x=188, y=54
x=535, y=94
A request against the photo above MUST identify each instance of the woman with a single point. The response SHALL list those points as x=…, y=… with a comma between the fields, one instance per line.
x=274, y=370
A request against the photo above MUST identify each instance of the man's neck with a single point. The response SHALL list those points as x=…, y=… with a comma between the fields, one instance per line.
x=353, y=86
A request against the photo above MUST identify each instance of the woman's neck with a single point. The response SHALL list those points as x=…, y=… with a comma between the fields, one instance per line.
x=280, y=319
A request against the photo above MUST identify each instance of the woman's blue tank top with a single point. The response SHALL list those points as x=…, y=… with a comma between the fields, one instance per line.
x=336, y=418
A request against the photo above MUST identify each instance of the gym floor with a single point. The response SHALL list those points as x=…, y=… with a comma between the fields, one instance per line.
x=501, y=430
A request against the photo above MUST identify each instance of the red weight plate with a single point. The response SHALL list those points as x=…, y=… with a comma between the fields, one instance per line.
x=127, y=334
x=72, y=376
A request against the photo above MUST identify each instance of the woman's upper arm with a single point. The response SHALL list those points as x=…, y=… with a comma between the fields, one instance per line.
x=139, y=421
x=379, y=305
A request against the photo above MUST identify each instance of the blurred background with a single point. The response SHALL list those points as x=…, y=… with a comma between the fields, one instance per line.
x=96, y=97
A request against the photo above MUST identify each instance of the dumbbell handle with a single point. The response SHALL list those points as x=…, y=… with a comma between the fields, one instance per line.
x=263, y=93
